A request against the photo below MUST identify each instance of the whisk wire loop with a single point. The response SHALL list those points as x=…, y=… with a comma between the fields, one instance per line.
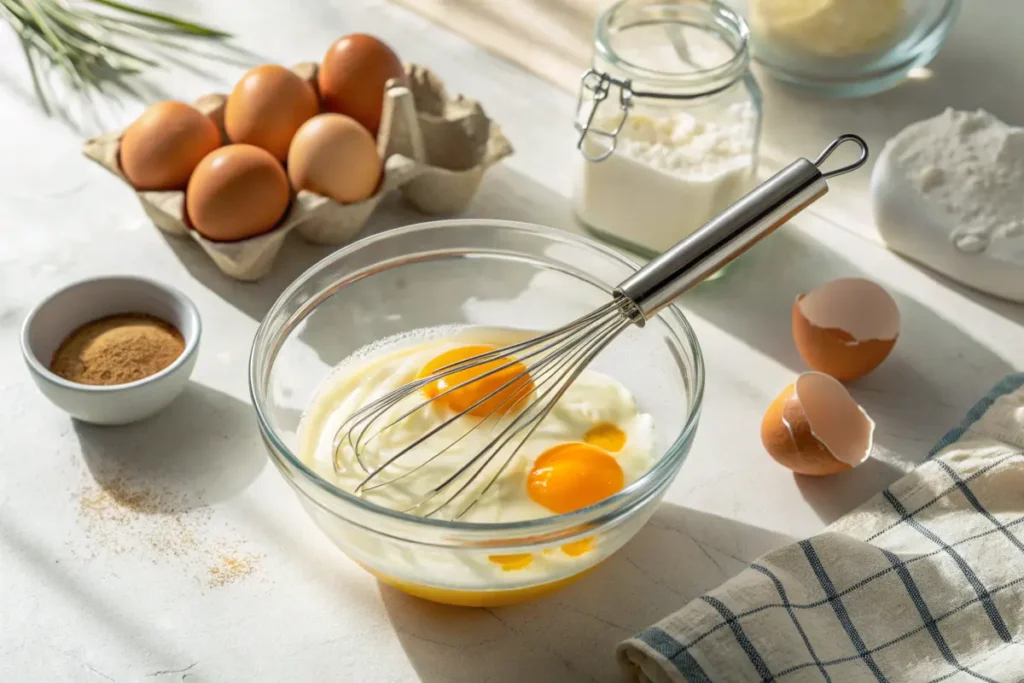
x=528, y=420
x=550, y=363
x=377, y=408
x=563, y=384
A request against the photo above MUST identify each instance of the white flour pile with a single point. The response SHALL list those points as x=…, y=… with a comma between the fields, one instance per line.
x=668, y=175
x=949, y=192
x=972, y=165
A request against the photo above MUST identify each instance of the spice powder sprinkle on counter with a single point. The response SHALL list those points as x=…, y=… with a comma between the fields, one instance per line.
x=126, y=516
x=231, y=568
x=117, y=350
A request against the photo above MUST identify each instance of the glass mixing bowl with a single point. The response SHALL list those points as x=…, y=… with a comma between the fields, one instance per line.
x=482, y=273
x=803, y=44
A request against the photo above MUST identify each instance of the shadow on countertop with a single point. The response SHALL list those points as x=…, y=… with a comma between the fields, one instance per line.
x=934, y=374
x=81, y=594
x=447, y=290
x=835, y=495
x=175, y=459
x=504, y=194
x=252, y=298
x=1010, y=310
x=676, y=557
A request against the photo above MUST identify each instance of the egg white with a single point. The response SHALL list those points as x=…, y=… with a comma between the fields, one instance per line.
x=594, y=398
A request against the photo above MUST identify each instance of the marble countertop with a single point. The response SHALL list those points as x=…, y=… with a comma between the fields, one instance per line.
x=172, y=550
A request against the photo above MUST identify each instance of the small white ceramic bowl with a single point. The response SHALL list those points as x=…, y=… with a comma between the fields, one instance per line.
x=57, y=316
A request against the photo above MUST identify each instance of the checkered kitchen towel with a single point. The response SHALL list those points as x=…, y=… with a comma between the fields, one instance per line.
x=925, y=582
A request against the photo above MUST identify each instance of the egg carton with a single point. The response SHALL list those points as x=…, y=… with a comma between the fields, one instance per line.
x=435, y=146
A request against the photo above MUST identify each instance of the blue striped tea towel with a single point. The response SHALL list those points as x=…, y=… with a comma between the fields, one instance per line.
x=925, y=582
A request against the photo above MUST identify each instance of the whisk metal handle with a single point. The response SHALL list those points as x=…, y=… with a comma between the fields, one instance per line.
x=728, y=235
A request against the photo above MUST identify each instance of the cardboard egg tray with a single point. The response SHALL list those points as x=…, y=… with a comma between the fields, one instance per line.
x=436, y=148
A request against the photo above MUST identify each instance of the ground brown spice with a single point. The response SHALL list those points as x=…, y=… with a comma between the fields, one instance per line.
x=118, y=349
x=231, y=568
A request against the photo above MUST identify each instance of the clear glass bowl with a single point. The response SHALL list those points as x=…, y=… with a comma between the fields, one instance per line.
x=802, y=53
x=469, y=272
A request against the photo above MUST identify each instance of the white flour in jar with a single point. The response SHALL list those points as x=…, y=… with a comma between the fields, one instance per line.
x=668, y=176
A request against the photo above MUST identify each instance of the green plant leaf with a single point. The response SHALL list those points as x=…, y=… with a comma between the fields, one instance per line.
x=92, y=48
x=187, y=26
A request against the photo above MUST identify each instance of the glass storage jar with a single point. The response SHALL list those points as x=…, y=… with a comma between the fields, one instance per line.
x=668, y=122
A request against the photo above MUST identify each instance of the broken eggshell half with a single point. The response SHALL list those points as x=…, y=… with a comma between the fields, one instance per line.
x=846, y=327
x=814, y=427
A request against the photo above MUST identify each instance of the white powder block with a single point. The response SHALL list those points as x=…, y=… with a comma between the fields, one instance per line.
x=948, y=192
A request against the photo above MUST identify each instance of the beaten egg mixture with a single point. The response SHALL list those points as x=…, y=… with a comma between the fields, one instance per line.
x=594, y=442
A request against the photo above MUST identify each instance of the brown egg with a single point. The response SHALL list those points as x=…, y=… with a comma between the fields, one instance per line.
x=815, y=427
x=162, y=147
x=267, y=106
x=236, y=192
x=352, y=78
x=846, y=327
x=334, y=156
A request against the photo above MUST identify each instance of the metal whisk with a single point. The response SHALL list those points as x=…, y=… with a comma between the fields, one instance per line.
x=549, y=363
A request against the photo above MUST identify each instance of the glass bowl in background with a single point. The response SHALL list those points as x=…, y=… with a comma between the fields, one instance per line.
x=812, y=45
x=484, y=273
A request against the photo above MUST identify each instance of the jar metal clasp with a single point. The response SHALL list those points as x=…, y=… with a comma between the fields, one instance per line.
x=598, y=84
x=594, y=89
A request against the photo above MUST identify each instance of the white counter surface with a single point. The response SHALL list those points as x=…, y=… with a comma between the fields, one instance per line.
x=214, y=573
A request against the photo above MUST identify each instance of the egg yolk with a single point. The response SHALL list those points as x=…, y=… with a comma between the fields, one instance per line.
x=506, y=398
x=577, y=548
x=512, y=562
x=572, y=476
x=606, y=436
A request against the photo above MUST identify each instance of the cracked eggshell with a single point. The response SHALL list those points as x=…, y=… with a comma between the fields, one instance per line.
x=814, y=427
x=846, y=327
